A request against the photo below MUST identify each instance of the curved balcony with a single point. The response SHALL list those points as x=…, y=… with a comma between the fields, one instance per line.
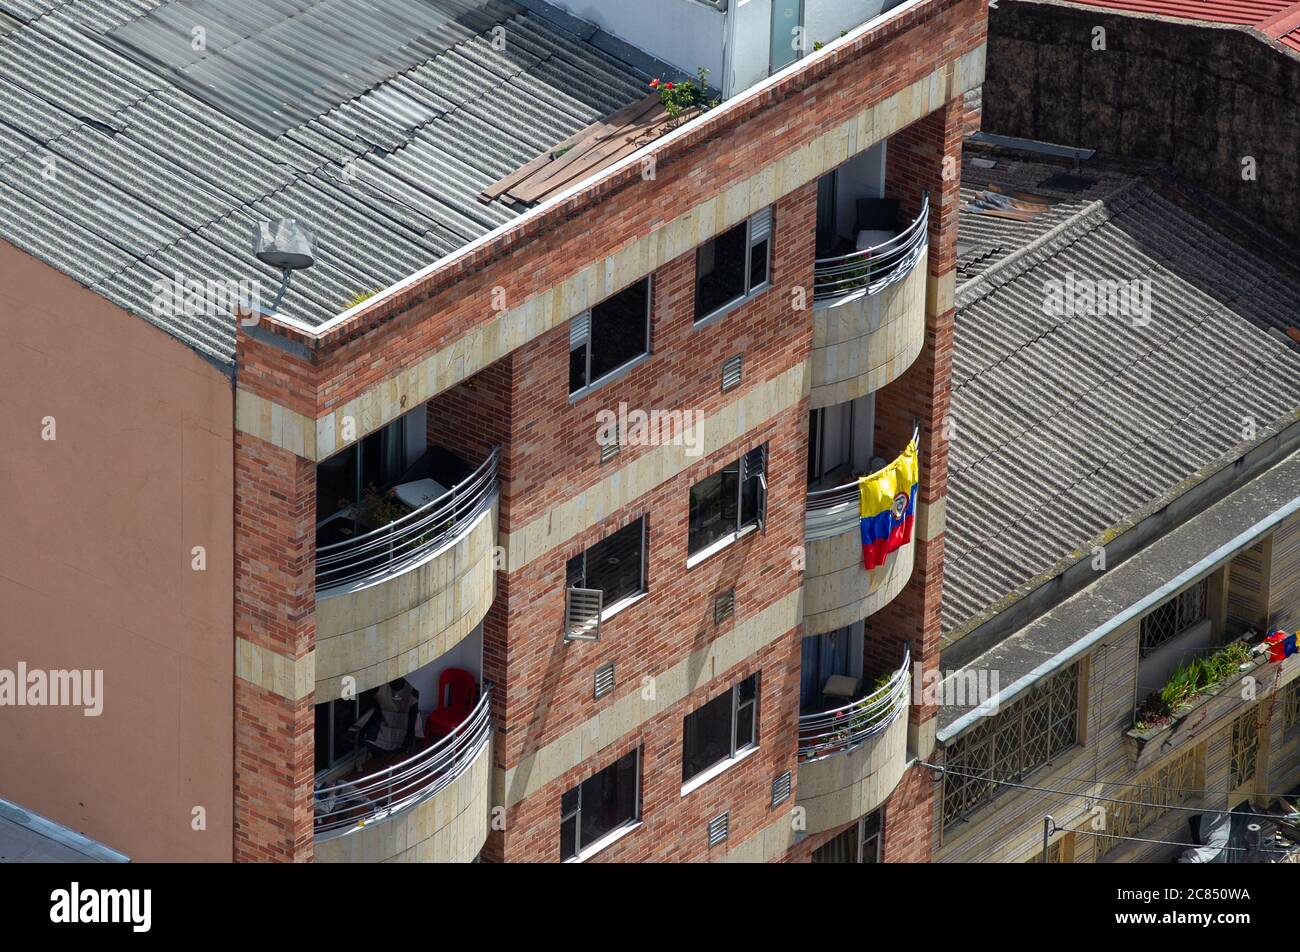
x=869, y=314
x=430, y=808
x=393, y=599
x=852, y=757
x=837, y=589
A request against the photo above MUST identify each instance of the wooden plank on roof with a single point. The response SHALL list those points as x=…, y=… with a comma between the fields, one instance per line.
x=600, y=144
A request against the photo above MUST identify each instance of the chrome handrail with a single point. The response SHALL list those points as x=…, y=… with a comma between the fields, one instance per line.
x=844, y=728
x=390, y=549
x=388, y=792
x=873, y=269
x=829, y=512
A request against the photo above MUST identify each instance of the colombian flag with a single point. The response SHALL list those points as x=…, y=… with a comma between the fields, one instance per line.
x=887, y=505
x=1280, y=645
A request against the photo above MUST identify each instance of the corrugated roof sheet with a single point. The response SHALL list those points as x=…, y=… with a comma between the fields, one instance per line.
x=1242, y=12
x=114, y=172
x=1067, y=425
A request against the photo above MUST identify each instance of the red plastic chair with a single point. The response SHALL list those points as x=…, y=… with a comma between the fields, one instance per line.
x=457, y=692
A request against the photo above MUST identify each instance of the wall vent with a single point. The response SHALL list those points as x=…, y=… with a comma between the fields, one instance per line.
x=609, y=450
x=724, y=605
x=604, y=679
x=718, y=829
x=781, y=789
x=732, y=371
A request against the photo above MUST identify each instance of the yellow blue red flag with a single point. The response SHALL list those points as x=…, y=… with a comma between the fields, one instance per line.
x=887, y=506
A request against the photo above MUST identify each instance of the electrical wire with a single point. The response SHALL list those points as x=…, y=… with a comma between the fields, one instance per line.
x=1137, y=803
x=1289, y=795
x=1143, y=839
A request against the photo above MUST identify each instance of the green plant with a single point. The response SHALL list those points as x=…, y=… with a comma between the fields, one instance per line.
x=358, y=298
x=378, y=509
x=679, y=97
x=1189, y=680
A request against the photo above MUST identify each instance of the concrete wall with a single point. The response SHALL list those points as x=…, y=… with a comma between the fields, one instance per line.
x=1199, y=98
x=95, y=569
x=686, y=33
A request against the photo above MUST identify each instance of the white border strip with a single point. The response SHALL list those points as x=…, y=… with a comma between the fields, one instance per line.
x=1060, y=660
x=319, y=330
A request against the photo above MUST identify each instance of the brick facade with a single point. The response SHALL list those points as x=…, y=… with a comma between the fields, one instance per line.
x=551, y=457
x=275, y=603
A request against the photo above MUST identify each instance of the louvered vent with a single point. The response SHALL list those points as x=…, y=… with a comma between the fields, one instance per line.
x=760, y=226
x=582, y=609
x=781, y=789
x=609, y=450
x=604, y=679
x=724, y=606
x=718, y=829
x=732, y=370
x=579, y=329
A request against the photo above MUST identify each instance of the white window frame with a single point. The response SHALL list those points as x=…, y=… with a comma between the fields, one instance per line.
x=741, y=528
x=580, y=334
x=605, y=839
x=759, y=227
x=643, y=588
x=737, y=753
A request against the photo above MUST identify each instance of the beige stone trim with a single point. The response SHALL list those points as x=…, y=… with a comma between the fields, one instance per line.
x=653, y=468
x=631, y=710
x=290, y=678
x=941, y=293
x=771, y=842
x=392, y=628
x=838, y=591
x=516, y=326
x=449, y=827
x=863, y=344
x=931, y=519
x=275, y=424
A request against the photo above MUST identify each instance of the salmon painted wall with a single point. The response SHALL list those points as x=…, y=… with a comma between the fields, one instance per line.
x=96, y=532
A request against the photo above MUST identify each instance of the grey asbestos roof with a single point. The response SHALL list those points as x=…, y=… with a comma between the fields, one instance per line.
x=118, y=175
x=1067, y=425
x=27, y=837
x=1131, y=589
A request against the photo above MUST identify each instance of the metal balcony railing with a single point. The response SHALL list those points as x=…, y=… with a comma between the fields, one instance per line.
x=353, y=804
x=843, y=729
x=873, y=269
x=834, y=511
x=393, y=548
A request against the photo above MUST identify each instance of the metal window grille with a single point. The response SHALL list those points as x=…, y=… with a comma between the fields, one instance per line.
x=1291, y=708
x=1173, y=617
x=1174, y=784
x=1061, y=850
x=1008, y=746
x=1245, y=749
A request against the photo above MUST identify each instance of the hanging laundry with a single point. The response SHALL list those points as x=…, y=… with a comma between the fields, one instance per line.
x=887, y=507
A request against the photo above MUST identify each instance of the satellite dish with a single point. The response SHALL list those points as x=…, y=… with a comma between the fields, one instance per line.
x=285, y=244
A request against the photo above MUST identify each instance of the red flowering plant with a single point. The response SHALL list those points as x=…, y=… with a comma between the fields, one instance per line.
x=682, y=96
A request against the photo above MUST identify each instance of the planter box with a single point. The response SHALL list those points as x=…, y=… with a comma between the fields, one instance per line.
x=1199, y=717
